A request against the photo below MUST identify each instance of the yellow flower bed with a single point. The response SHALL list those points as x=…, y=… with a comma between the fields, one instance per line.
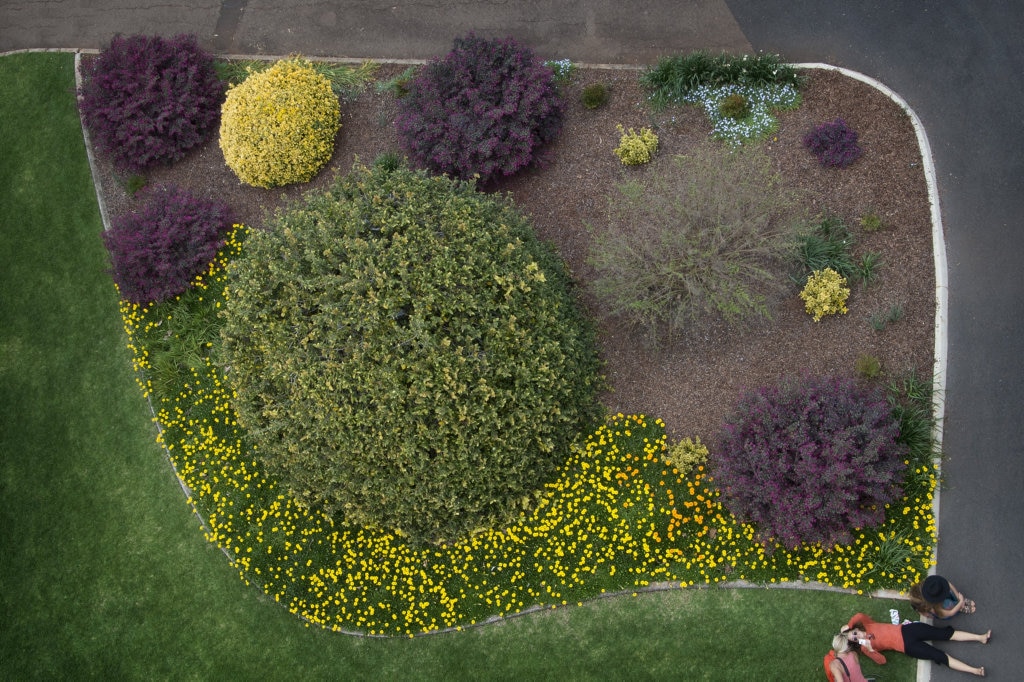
x=617, y=518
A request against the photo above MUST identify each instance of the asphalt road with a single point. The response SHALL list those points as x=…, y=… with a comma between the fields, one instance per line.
x=958, y=64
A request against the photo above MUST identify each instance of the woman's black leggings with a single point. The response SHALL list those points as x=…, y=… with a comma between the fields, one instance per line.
x=916, y=637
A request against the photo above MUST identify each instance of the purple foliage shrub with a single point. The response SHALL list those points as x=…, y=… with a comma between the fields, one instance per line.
x=147, y=100
x=485, y=108
x=156, y=252
x=810, y=460
x=834, y=143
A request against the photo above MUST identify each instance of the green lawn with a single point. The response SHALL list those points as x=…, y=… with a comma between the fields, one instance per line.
x=104, y=572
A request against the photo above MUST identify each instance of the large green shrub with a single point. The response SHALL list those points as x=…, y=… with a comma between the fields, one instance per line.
x=703, y=237
x=406, y=354
x=278, y=126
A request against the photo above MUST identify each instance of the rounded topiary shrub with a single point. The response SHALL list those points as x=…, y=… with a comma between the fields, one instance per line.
x=810, y=460
x=482, y=110
x=278, y=126
x=406, y=354
x=157, y=251
x=147, y=100
x=704, y=240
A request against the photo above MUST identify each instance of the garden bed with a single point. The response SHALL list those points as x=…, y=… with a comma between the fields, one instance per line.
x=617, y=517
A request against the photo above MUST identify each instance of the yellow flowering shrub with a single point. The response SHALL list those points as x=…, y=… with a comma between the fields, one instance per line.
x=636, y=148
x=825, y=294
x=686, y=454
x=278, y=126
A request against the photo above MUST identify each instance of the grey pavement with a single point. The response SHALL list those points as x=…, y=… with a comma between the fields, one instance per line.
x=959, y=66
x=957, y=63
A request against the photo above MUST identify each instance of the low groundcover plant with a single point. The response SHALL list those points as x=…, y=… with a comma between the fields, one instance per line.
x=825, y=294
x=636, y=147
x=616, y=518
x=834, y=144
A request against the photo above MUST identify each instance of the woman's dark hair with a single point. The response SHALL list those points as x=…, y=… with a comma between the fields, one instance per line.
x=918, y=602
x=856, y=625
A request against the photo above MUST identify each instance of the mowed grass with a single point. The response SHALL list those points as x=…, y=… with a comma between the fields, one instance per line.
x=104, y=572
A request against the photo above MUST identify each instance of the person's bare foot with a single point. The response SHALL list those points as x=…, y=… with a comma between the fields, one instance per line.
x=981, y=672
x=987, y=636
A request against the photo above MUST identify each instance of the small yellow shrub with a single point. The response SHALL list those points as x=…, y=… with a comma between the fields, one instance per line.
x=636, y=148
x=278, y=126
x=825, y=294
x=686, y=455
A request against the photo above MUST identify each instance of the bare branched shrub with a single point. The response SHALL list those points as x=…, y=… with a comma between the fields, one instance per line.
x=701, y=238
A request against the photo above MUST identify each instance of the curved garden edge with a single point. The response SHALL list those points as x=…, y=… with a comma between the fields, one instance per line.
x=940, y=346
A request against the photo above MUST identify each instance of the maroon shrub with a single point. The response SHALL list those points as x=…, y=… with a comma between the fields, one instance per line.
x=146, y=100
x=156, y=252
x=484, y=109
x=835, y=144
x=809, y=461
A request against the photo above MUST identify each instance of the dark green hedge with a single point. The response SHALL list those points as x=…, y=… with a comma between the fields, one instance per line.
x=406, y=353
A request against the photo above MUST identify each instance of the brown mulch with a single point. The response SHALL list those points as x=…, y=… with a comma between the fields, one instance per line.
x=692, y=382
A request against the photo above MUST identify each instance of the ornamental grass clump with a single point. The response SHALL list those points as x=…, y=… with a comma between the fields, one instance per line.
x=147, y=100
x=825, y=294
x=827, y=244
x=834, y=143
x=485, y=110
x=407, y=355
x=703, y=240
x=278, y=126
x=636, y=148
x=810, y=460
x=157, y=251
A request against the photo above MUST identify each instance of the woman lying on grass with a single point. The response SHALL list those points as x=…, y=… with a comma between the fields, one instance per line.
x=911, y=639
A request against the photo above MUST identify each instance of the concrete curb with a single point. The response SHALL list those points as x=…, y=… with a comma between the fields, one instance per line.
x=941, y=293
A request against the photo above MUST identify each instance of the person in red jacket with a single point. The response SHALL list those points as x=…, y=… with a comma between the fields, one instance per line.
x=911, y=639
x=844, y=665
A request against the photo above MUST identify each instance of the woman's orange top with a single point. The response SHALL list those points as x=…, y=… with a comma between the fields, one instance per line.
x=883, y=636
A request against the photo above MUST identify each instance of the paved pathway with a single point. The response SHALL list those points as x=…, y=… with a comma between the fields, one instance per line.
x=958, y=64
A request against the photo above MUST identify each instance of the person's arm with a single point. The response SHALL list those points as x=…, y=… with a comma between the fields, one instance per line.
x=875, y=656
x=857, y=618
